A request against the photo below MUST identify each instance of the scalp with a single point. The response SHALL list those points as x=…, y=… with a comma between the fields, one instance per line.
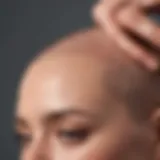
x=126, y=80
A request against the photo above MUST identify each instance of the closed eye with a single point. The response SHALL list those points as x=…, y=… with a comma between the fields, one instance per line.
x=23, y=139
x=73, y=136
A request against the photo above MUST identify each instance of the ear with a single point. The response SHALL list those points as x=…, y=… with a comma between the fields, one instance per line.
x=156, y=126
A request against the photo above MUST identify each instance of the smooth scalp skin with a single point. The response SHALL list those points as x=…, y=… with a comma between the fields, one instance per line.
x=73, y=103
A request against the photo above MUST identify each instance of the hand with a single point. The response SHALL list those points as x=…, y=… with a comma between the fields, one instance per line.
x=116, y=16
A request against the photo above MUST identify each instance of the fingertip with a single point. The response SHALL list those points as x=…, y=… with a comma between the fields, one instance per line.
x=149, y=3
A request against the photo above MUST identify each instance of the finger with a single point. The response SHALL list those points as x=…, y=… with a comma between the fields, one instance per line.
x=114, y=5
x=149, y=3
x=135, y=21
x=104, y=14
x=133, y=49
x=136, y=51
x=110, y=8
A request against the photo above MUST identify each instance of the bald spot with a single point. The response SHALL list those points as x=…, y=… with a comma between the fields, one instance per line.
x=125, y=80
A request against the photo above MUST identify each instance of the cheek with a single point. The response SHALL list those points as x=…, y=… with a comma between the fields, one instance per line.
x=115, y=143
x=109, y=146
x=106, y=147
x=26, y=154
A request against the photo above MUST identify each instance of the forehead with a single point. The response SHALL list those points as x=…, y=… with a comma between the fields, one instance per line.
x=61, y=82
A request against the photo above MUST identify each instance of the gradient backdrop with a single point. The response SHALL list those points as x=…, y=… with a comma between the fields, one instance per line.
x=26, y=27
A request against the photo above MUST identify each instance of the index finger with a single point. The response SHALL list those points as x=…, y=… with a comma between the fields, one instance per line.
x=149, y=3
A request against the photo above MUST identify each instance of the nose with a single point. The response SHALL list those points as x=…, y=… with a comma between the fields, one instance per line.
x=41, y=150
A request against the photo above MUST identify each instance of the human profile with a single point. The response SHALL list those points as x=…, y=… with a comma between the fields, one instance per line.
x=84, y=98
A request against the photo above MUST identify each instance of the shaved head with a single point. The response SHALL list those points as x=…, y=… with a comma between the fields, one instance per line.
x=84, y=98
x=91, y=51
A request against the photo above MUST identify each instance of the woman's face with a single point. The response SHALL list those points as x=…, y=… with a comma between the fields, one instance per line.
x=65, y=113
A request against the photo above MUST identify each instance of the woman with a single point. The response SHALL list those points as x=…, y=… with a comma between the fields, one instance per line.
x=117, y=16
x=86, y=99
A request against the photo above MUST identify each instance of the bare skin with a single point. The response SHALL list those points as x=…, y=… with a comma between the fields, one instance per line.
x=117, y=16
x=67, y=107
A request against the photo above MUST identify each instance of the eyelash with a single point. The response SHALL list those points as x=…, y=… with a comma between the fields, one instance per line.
x=23, y=139
x=66, y=136
x=73, y=136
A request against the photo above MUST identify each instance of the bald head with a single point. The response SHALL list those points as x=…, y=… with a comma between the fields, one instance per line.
x=84, y=99
x=89, y=58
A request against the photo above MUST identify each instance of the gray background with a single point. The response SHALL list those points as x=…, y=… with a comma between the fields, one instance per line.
x=26, y=27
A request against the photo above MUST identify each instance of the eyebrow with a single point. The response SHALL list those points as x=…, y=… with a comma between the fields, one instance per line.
x=57, y=115
x=19, y=122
